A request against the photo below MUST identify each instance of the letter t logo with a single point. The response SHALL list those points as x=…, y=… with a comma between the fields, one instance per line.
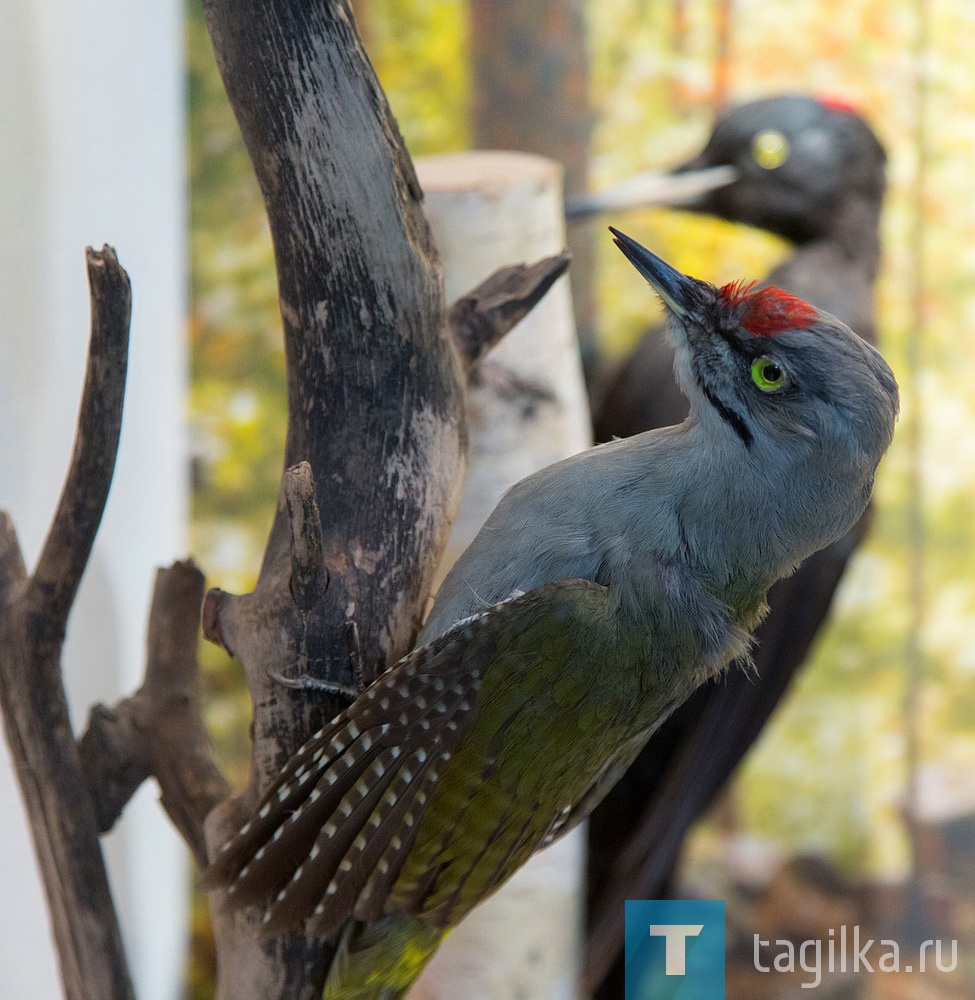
x=689, y=959
x=675, y=950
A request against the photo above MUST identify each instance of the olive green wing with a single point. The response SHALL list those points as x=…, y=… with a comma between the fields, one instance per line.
x=446, y=773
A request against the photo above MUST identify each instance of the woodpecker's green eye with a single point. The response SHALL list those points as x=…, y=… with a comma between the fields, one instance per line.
x=770, y=149
x=768, y=375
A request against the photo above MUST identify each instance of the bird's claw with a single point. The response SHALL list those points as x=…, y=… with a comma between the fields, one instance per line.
x=305, y=682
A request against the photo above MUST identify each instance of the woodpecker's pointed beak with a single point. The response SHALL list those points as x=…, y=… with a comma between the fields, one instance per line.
x=678, y=291
x=679, y=189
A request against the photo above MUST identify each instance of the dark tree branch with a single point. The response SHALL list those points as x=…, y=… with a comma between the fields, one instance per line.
x=79, y=512
x=12, y=571
x=114, y=752
x=180, y=752
x=375, y=406
x=481, y=318
x=212, y=618
x=32, y=618
x=159, y=731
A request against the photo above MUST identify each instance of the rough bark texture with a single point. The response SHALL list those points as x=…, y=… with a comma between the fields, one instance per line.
x=530, y=81
x=33, y=614
x=375, y=404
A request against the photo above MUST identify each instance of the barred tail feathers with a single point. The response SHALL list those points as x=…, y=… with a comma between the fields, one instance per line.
x=330, y=837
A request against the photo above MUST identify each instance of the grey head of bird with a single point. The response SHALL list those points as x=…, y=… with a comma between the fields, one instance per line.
x=785, y=394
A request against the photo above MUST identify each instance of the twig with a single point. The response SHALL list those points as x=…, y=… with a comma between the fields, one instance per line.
x=481, y=318
x=114, y=752
x=180, y=751
x=213, y=630
x=33, y=613
x=159, y=731
x=65, y=553
x=12, y=572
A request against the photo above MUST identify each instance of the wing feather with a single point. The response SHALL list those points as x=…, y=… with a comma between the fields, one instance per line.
x=327, y=859
x=330, y=799
x=425, y=794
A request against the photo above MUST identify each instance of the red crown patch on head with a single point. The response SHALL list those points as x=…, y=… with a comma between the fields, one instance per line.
x=769, y=310
x=838, y=104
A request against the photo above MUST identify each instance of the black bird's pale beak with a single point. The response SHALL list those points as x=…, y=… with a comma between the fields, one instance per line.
x=679, y=189
x=679, y=291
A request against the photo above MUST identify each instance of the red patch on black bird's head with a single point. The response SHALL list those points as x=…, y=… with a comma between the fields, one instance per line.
x=838, y=104
x=768, y=311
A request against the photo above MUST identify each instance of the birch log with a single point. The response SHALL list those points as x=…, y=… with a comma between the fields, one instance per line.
x=527, y=408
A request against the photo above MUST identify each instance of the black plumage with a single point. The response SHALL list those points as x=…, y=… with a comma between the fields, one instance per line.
x=812, y=172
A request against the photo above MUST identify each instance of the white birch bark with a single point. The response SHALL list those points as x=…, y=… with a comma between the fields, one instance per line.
x=527, y=409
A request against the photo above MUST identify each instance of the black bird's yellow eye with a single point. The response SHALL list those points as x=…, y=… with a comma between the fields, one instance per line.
x=768, y=375
x=770, y=149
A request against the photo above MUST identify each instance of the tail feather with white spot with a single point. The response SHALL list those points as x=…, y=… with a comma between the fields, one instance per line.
x=330, y=837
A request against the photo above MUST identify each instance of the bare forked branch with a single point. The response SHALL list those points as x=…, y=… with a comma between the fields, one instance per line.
x=64, y=556
x=33, y=612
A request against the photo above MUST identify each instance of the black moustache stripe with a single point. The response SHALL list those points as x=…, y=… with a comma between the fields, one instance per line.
x=736, y=421
x=737, y=347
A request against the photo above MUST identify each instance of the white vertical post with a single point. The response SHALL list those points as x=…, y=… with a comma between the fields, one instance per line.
x=487, y=210
x=91, y=152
